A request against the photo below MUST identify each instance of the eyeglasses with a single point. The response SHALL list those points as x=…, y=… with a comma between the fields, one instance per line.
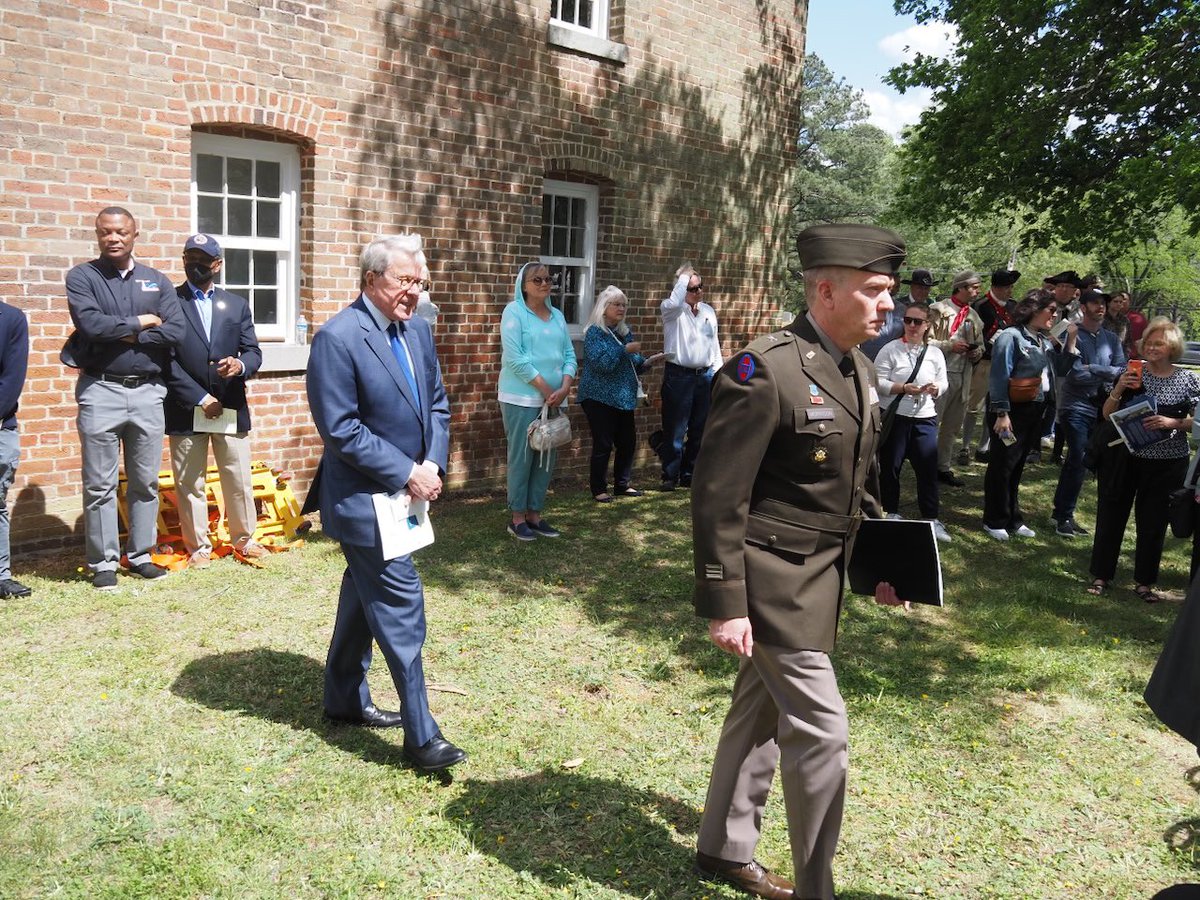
x=693, y=288
x=405, y=282
x=540, y=279
x=909, y=320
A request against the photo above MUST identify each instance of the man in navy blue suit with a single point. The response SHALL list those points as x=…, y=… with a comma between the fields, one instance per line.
x=208, y=372
x=376, y=395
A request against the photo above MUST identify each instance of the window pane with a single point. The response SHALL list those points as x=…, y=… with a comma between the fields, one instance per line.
x=208, y=215
x=265, y=306
x=578, y=212
x=585, y=14
x=576, y=242
x=237, y=267
x=242, y=292
x=268, y=219
x=240, y=175
x=561, y=210
x=208, y=173
x=266, y=269
x=558, y=242
x=545, y=251
x=240, y=212
x=266, y=178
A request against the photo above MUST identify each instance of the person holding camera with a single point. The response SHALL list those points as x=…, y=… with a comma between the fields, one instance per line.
x=609, y=392
x=956, y=329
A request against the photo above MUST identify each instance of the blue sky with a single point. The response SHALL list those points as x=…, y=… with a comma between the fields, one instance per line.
x=860, y=40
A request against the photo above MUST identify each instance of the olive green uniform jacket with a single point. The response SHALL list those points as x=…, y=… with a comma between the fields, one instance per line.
x=786, y=470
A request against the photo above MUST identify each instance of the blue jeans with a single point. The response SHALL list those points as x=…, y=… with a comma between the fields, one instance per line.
x=685, y=399
x=1076, y=425
x=10, y=453
x=528, y=471
x=914, y=440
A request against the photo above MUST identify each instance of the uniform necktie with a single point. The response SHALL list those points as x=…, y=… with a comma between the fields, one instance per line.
x=398, y=351
x=846, y=366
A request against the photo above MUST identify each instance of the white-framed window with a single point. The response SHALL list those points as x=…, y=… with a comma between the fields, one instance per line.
x=586, y=15
x=570, y=217
x=245, y=193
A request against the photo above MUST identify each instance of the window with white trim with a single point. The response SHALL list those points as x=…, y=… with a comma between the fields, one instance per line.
x=586, y=15
x=245, y=193
x=570, y=216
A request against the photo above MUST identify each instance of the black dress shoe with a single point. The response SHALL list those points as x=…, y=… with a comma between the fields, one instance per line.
x=371, y=717
x=947, y=477
x=435, y=754
x=147, y=570
x=751, y=877
x=11, y=588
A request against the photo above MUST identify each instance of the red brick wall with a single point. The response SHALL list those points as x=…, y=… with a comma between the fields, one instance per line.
x=441, y=117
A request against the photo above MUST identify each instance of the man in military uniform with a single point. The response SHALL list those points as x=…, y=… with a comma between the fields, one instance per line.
x=787, y=469
x=995, y=311
x=956, y=329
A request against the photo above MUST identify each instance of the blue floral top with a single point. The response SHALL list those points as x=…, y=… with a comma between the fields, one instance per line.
x=608, y=371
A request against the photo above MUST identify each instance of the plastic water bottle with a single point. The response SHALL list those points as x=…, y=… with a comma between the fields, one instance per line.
x=302, y=331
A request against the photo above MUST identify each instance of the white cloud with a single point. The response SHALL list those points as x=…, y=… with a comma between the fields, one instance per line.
x=930, y=38
x=892, y=111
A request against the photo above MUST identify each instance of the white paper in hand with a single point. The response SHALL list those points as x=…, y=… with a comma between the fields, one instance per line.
x=404, y=525
x=225, y=423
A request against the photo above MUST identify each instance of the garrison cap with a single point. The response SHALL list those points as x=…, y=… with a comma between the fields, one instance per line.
x=205, y=243
x=866, y=247
x=1005, y=277
x=921, y=277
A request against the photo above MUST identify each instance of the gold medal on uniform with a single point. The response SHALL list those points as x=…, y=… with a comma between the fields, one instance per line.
x=820, y=454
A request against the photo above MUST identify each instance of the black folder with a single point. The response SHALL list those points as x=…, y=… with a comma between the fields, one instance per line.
x=902, y=552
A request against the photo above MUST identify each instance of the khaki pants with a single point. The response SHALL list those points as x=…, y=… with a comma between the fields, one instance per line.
x=951, y=407
x=189, y=459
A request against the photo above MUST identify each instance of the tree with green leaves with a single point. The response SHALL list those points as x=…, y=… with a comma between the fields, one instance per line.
x=1084, y=109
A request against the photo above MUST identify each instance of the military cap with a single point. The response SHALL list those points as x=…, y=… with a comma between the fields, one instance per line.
x=921, y=278
x=962, y=279
x=865, y=247
x=1070, y=276
x=1005, y=277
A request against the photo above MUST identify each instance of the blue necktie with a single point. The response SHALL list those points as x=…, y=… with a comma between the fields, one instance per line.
x=398, y=351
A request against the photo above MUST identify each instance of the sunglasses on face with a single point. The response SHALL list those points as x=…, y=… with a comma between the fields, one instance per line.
x=692, y=289
x=540, y=279
x=909, y=320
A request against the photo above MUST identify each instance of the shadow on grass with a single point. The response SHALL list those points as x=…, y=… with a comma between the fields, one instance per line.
x=266, y=684
x=565, y=829
x=1184, y=839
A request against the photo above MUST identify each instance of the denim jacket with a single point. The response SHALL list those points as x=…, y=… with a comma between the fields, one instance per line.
x=1018, y=354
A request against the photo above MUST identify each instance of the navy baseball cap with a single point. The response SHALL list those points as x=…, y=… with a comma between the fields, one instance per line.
x=205, y=243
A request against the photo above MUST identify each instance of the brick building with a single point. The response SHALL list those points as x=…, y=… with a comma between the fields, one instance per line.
x=612, y=138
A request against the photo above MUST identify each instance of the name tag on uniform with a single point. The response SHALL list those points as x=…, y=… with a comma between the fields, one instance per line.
x=817, y=415
x=148, y=285
x=873, y=395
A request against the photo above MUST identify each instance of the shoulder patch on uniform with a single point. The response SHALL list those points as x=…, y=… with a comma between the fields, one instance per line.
x=745, y=368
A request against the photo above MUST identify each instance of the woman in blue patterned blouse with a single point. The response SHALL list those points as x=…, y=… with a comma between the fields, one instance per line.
x=608, y=392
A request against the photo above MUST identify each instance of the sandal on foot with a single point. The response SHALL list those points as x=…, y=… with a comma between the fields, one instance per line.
x=1148, y=594
x=1097, y=587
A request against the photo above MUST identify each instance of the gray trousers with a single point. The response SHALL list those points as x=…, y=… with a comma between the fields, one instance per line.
x=786, y=709
x=112, y=417
x=10, y=454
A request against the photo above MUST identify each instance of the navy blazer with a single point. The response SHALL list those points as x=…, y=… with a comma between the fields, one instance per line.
x=192, y=372
x=373, y=428
x=14, y=361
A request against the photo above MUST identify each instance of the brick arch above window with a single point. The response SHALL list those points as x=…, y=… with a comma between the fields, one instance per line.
x=255, y=107
x=582, y=158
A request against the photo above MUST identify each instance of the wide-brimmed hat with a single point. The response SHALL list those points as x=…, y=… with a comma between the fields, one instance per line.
x=921, y=278
x=1005, y=277
x=1070, y=276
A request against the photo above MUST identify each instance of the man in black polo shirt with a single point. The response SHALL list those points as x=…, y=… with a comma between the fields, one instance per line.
x=127, y=318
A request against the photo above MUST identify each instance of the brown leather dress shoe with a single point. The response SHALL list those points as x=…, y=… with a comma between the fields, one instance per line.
x=751, y=877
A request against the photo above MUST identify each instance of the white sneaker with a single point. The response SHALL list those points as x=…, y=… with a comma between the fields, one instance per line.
x=894, y=516
x=1047, y=443
x=1024, y=531
x=998, y=533
x=940, y=532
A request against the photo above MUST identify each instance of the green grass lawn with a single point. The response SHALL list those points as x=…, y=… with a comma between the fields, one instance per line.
x=166, y=740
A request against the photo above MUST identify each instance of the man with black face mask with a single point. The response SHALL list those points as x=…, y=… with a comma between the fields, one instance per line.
x=206, y=402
